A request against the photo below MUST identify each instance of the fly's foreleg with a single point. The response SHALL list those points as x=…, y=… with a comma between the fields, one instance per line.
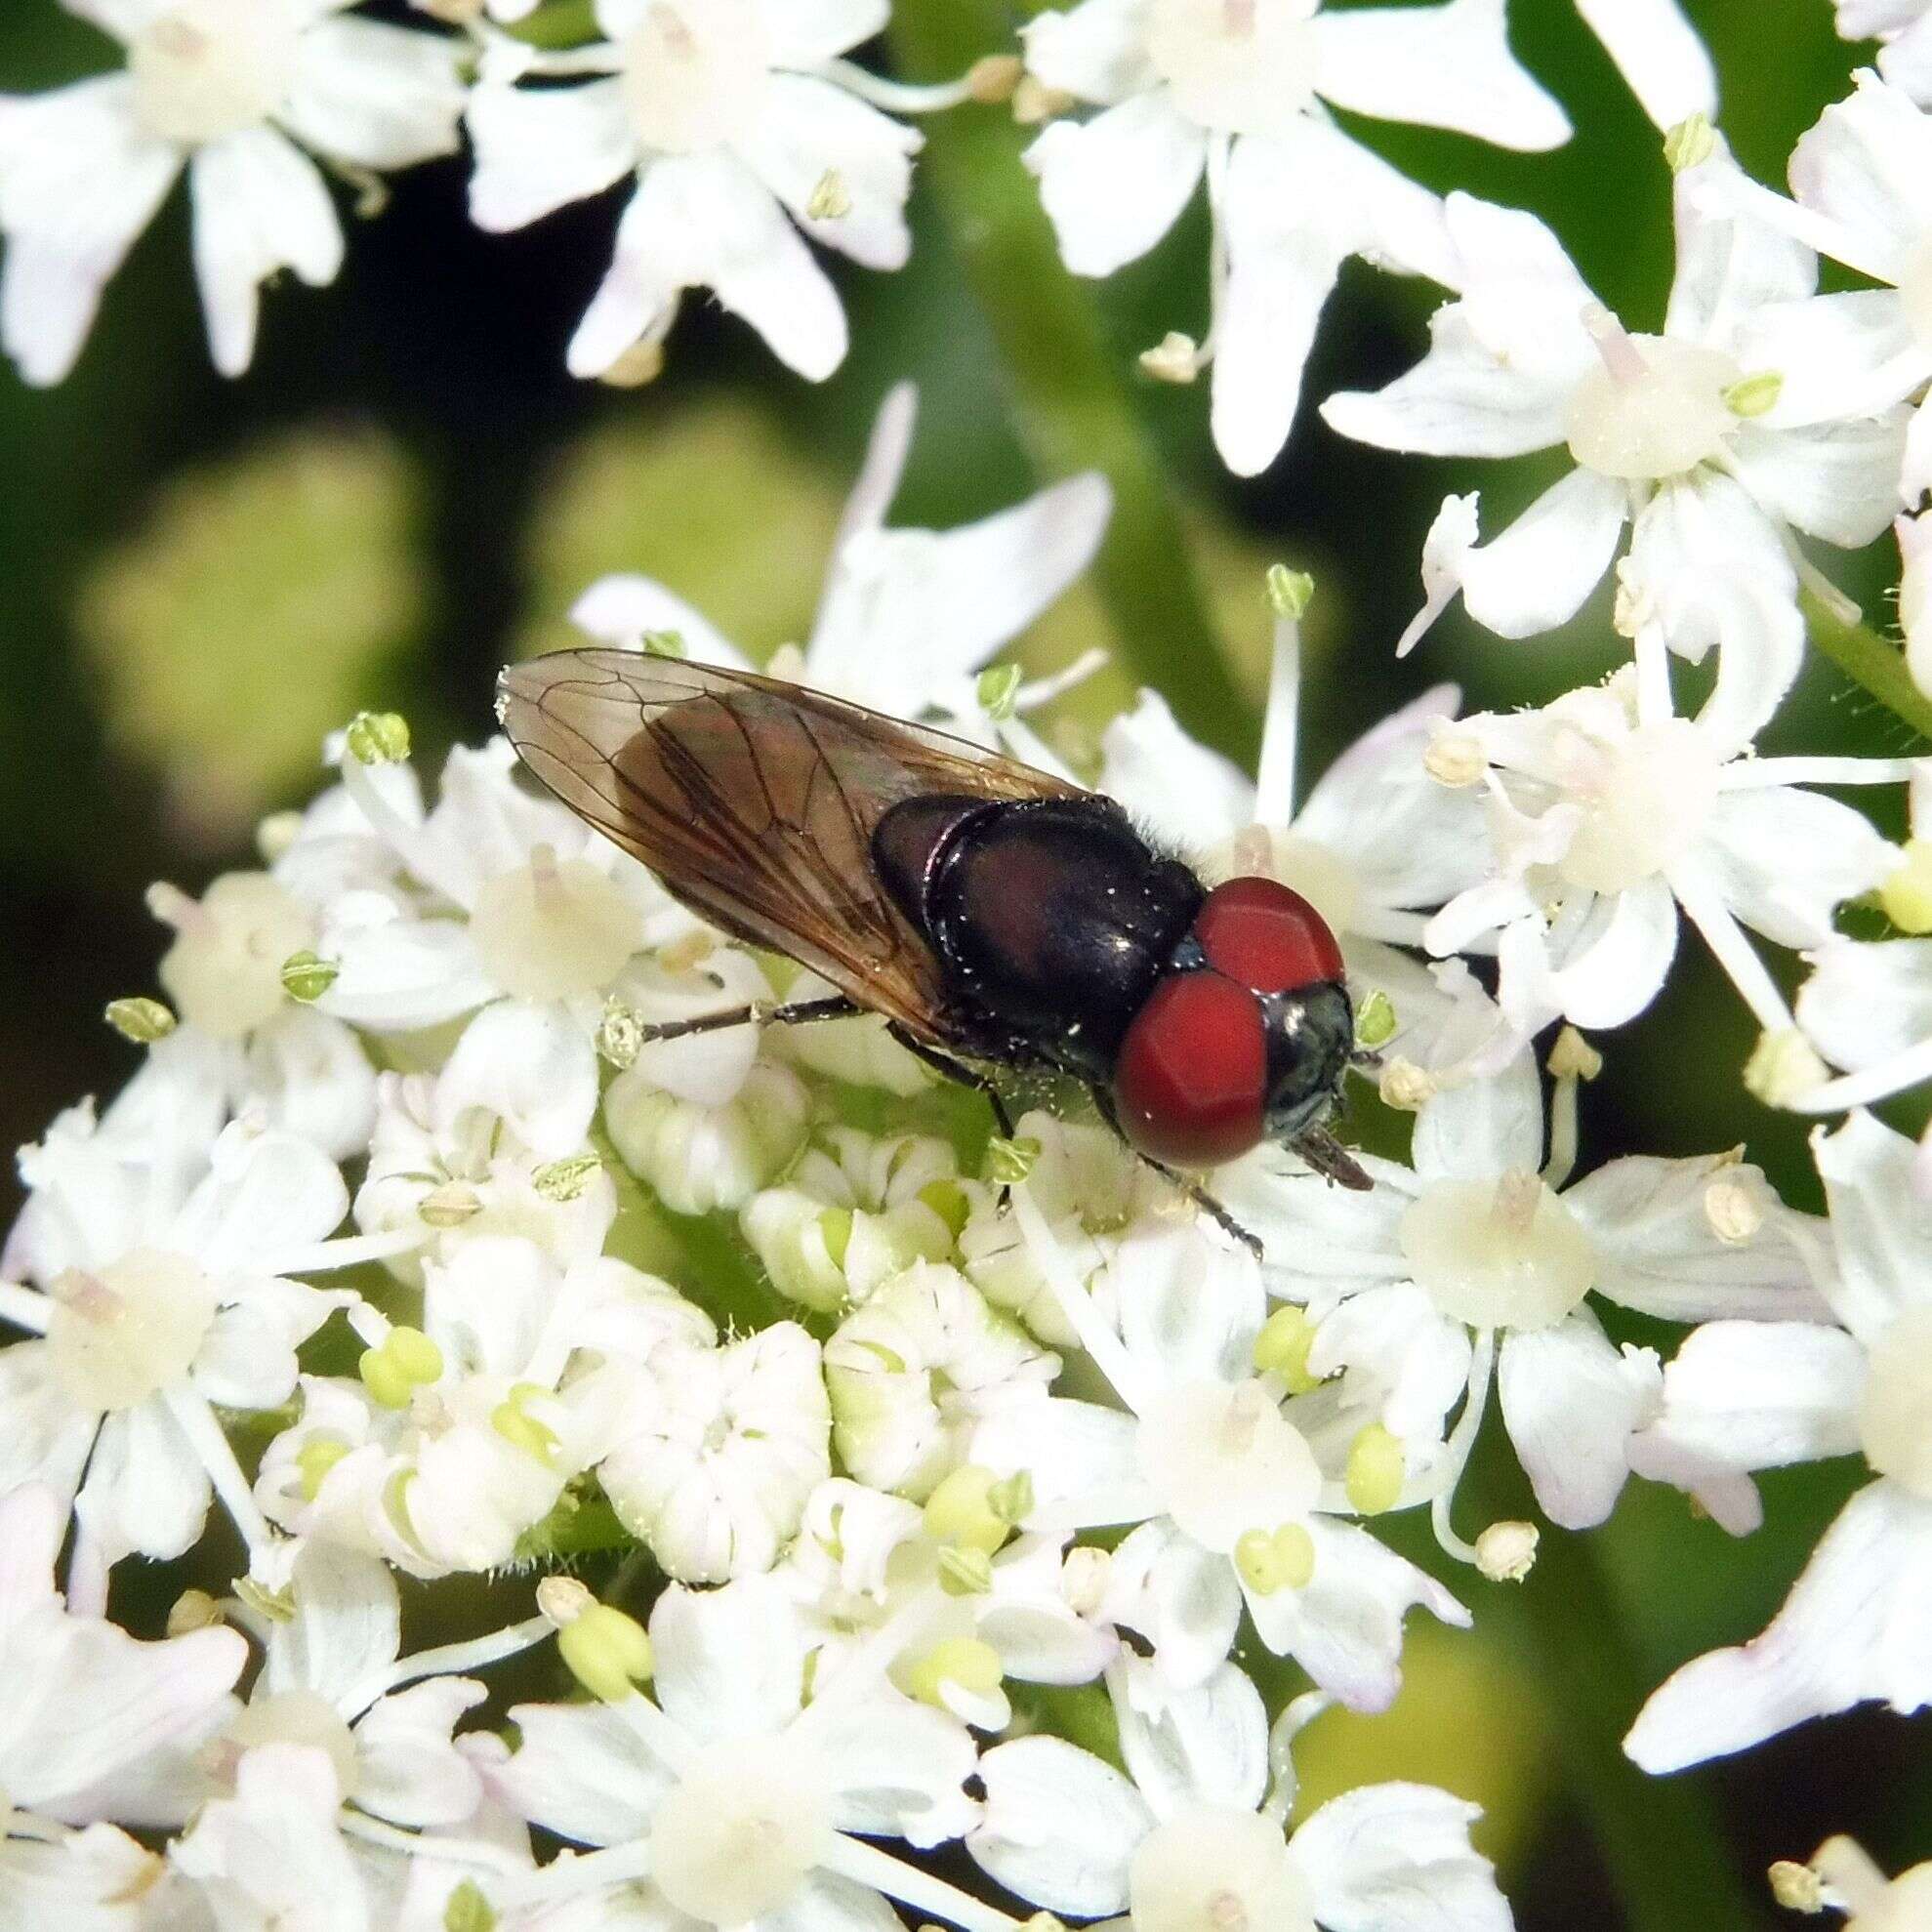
x=801, y=1013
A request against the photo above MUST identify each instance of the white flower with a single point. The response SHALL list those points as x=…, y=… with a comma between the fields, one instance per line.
x=1686, y=435
x=739, y=118
x=914, y=1370
x=234, y=91
x=1231, y=1501
x=1194, y=1835
x=460, y=1436
x=1905, y=27
x=90, y=1713
x=1239, y=94
x=1610, y=814
x=163, y=1268
x=1485, y=1241
x=1373, y=843
x=1659, y=54
x=95, y=1880
x=718, y=1452
x=1845, y=1878
x=1860, y=177
x=728, y=1801
x=1740, y=1397
x=906, y=617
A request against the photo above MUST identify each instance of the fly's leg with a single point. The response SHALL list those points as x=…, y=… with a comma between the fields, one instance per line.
x=955, y=1070
x=1195, y=1192
x=803, y=1014
x=1332, y=1160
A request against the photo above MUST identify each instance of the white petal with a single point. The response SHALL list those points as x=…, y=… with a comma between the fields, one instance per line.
x=1184, y=1599
x=1916, y=480
x=409, y=1769
x=807, y=128
x=395, y=974
x=1658, y=1251
x=907, y=612
x=1786, y=859
x=1480, y=1128
x=1446, y=67
x=1745, y=1395
x=1853, y=1628
x=1730, y=264
x=1866, y=1002
x=146, y=1491
x=273, y=1850
x=899, y=1767
x=1189, y=1306
x=1882, y=1224
x=1397, y=1857
x=803, y=33
x=621, y=609
x=44, y=1439
x=1414, y=1358
x=1176, y=788
x=1114, y=186
x=1062, y=1826
x=538, y=149
x=265, y=1194
x=1344, y=1629
x=706, y=222
x=1838, y=480
x=582, y=1771
x=1868, y=164
x=1620, y=959
x=533, y=1067
x=1208, y=1744
x=1321, y=1241
x=1096, y=52
x=1908, y=61
x=1657, y=52
x=260, y=206
x=1524, y=296
x=375, y=95
x=731, y=1660
x=1570, y=1401
x=1832, y=353
x=308, y=1074
x=79, y=180
x=1538, y=573
x=345, y=1630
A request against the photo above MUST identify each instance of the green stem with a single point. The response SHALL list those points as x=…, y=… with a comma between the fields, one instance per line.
x=563, y=23
x=1660, y=1839
x=1871, y=662
x=1071, y=407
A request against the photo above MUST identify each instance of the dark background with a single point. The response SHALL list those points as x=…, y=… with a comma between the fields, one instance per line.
x=198, y=577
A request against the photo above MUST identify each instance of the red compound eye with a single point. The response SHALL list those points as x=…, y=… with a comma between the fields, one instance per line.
x=1191, y=1079
x=1262, y=935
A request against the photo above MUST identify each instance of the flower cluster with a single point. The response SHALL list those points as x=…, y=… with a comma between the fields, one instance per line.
x=849, y=1476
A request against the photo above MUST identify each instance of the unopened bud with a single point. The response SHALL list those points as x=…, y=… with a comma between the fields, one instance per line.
x=1290, y=592
x=378, y=737
x=1573, y=1057
x=139, y=1020
x=1506, y=1551
x=1175, y=358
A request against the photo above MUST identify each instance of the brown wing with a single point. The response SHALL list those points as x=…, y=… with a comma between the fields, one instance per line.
x=754, y=801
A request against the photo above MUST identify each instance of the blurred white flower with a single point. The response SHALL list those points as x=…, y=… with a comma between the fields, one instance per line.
x=1844, y=1876
x=1905, y=27
x=1195, y=1833
x=1610, y=814
x=1374, y=846
x=163, y=1266
x=728, y=1801
x=1743, y=1396
x=1696, y=438
x=718, y=1449
x=234, y=91
x=748, y=131
x=1239, y=94
x=1230, y=1500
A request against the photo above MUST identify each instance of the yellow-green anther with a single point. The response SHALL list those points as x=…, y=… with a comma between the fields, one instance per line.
x=1907, y=896
x=608, y=1652
x=1009, y=1162
x=835, y=1224
x=663, y=643
x=999, y=685
x=950, y=1202
x=1755, y=395
x=466, y=1909
x=967, y=1661
x=831, y=198
x=1374, y=1019
x=142, y=1021
x=406, y=1360
x=965, y=1571
x=512, y=1421
x=1256, y=1562
x=378, y=737
x=277, y=1606
x=567, y=1180
x=1011, y=1498
x=314, y=1460
x=620, y=1034
x=419, y=1358
x=449, y=1206
x=306, y=976
x=1282, y=1350
x=961, y=1512
x=1295, y=1550
x=1290, y=592
x=1375, y=1471
x=1689, y=143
